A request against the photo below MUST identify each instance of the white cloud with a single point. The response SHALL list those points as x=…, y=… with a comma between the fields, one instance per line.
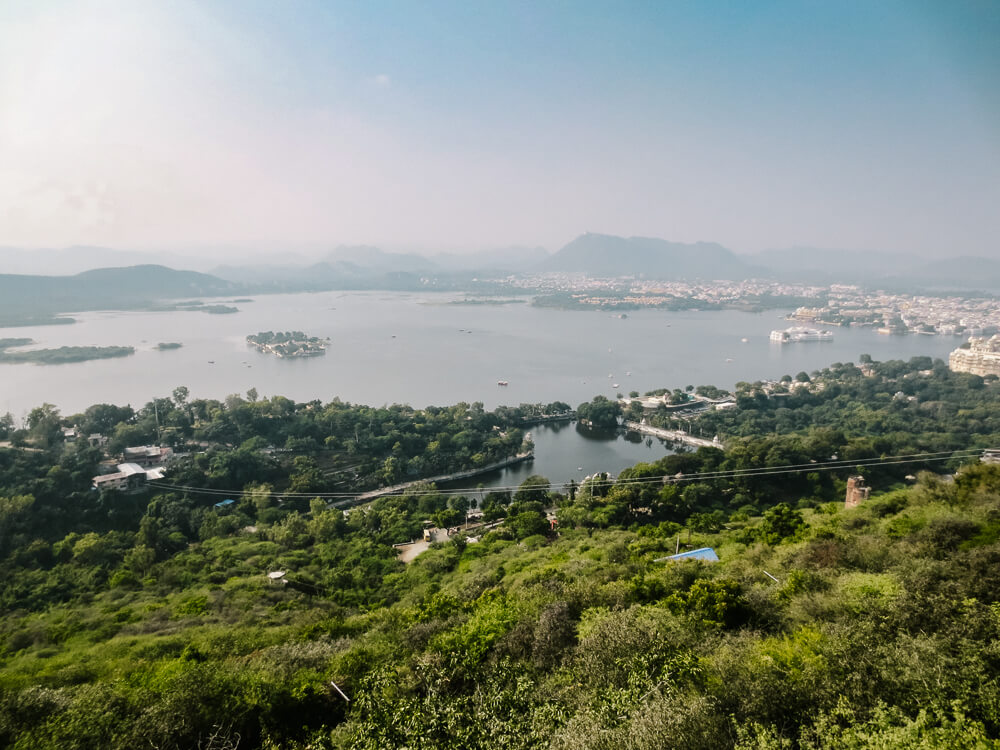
x=382, y=80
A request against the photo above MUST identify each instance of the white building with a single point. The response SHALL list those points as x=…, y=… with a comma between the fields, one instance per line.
x=980, y=356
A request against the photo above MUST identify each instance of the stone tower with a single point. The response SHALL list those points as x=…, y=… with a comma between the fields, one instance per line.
x=857, y=493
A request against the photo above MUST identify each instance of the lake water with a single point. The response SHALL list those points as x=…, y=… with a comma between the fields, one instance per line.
x=417, y=349
x=565, y=451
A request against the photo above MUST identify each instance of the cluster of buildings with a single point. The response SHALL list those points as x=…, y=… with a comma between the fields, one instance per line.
x=139, y=465
x=979, y=355
x=834, y=304
x=904, y=313
x=617, y=291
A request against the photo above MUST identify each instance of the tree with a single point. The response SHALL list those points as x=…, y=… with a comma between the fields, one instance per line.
x=448, y=517
x=326, y=524
x=307, y=476
x=44, y=425
x=180, y=395
x=533, y=489
x=140, y=559
x=707, y=523
x=528, y=523
x=6, y=425
x=600, y=412
x=292, y=531
x=780, y=522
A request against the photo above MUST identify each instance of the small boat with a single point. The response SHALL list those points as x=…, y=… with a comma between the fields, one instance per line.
x=614, y=385
x=502, y=382
x=628, y=373
x=211, y=361
x=729, y=359
x=744, y=339
x=610, y=375
x=394, y=335
x=579, y=468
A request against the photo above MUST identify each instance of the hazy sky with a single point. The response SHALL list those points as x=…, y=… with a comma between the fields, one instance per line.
x=438, y=125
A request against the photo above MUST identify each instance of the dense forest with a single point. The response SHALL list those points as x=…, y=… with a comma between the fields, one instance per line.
x=150, y=619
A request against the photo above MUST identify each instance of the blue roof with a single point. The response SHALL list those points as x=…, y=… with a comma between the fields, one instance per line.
x=705, y=553
x=224, y=503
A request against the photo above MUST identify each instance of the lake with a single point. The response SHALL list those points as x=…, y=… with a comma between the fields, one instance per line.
x=565, y=451
x=418, y=349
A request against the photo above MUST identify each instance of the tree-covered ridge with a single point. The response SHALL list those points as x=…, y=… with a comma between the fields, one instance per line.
x=914, y=404
x=346, y=447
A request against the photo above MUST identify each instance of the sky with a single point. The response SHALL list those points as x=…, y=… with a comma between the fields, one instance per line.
x=452, y=126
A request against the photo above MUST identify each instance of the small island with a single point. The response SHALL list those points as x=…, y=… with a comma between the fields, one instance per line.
x=287, y=344
x=195, y=306
x=487, y=301
x=62, y=355
x=166, y=346
x=9, y=343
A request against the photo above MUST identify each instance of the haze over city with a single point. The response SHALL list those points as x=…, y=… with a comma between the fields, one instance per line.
x=261, y=126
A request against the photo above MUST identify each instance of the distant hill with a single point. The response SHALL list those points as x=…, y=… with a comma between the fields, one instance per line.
x=826, y=265
x=105, y=288
x=965, y=272
x=877, y=268
x=374, y=260
x=367, y=267
x=608, y=255
x=72, y=260
x=508, y=259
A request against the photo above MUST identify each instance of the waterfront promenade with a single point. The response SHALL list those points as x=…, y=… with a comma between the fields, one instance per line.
x=676, y=435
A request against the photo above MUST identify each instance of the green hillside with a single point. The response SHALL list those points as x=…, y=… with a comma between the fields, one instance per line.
x=150, y=619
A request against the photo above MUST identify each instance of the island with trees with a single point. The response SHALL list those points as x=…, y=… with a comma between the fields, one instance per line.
x=246, y=600
x=288, y=344
x=166, y=346
x=59, y=356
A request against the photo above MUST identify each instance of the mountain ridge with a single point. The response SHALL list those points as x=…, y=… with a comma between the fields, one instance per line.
x=102, y=288
x=612, y=255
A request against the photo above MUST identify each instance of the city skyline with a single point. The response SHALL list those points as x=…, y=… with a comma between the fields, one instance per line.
x=145, y=125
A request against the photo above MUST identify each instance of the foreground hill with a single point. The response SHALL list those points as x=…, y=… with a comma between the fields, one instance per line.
x=150, y=619
x=608, y=255
x=880, y=630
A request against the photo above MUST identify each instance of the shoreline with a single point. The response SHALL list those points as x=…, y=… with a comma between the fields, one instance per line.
x=466, y=474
